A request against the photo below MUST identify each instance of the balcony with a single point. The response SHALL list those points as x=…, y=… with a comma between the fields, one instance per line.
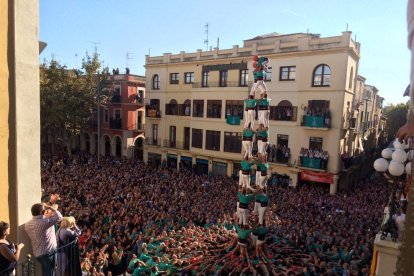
x=319, y=122
x=153, y=113
x=178, y=109
x=313, y=163
x=153, y=142
x=116, y=99
x=137, y=127
x=176, y=144
x=283, y=113
x=115, y=123
x=219, y=84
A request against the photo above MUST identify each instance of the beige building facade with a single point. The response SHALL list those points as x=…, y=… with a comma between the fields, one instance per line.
x=193, y=94
x=19, y=115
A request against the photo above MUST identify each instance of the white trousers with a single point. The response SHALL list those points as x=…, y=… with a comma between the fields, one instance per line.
x=244, y=216
x=256, y=208
x=261, y=146
x=246, y=181
x=263, y=181
x=264, y=117
x=262, y=213
x=249, y=118
x=257, y=178
x=258, y=84
x=247, y=147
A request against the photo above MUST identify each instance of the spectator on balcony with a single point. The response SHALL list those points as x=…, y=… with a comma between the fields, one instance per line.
x=272, y=155
x=41, y=231
x=9, y=252
x=68, y=257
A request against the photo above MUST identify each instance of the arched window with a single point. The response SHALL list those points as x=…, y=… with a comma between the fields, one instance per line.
x=351, y=78
x=171, y=108
x=321, y=75
x=186, y=108
x=285, y=103
x=156, y=82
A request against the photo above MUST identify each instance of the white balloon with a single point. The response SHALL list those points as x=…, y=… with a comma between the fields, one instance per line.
x=408, y=168
x=398, y=145
x=399, y=155
x=381, y=165
x=386, y=153
x=410, y=155
x=396, y=168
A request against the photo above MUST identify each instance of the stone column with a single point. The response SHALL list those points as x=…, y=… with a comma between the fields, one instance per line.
x=334, y=186
x=19, y=115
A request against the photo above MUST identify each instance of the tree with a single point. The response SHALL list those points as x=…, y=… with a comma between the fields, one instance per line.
x=68, y=98
x=396, y=117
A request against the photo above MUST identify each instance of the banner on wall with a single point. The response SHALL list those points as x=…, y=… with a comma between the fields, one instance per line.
x=322, y=177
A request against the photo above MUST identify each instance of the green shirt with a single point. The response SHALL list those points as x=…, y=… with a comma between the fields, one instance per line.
x=245, y=199
x=248, y=133
x=263, y=102
x=243, y=233
x=139, y=270
x=264, y=133
x=250, y=103
x=262, y=198
x=246, y=165
x=132, y=263
x=263, y=167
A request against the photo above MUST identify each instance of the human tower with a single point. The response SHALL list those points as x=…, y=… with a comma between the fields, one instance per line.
x=254, y=232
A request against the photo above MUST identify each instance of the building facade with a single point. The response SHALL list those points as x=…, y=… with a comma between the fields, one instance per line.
x=122, y=119
x=195, y=102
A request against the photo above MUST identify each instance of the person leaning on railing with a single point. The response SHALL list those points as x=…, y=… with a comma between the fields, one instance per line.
x=68, y=256
x=41, y=232
x=9, y=252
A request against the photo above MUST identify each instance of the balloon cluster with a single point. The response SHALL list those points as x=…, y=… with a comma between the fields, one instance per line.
x=400, y=159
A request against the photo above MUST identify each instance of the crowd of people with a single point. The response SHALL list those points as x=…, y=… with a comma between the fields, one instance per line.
x=318, y=112
x=177, y=221
x=278, y=154
x=319, y=154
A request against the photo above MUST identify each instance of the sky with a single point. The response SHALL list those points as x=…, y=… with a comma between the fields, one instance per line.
x=124, y=31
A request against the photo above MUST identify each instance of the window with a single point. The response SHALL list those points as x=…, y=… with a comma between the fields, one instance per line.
x=223, y=78
x=322, y=75
x=198, y=108
x=197, y=138
x=213, y=140
x=204, y=81
x=184, y=109
x=189, y=77
x=234, y=108
x=284, y=111
x=171, y=108
x=244, y=76
x=232, y=142
x=268, y=75
x=154, y=134
x=116, y=94
x=351, y=76
x=155, y=82
x=213, y=108
x=140, y=96
x=287, y=73
x=283, y=140
x=174, y=78
x=186, y=138
x=117, y=113
x=172, y=136
x=106, y=115
x=315, y=143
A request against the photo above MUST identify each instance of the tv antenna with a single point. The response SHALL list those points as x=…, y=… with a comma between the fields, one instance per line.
x=95, y=44
x=206, y=32
x=128, y=57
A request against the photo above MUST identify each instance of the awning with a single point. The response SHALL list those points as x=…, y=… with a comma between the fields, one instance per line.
x=186, y=158
x=322, y=177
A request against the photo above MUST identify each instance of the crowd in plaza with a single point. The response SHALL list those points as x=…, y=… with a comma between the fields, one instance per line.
x=160, y=219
